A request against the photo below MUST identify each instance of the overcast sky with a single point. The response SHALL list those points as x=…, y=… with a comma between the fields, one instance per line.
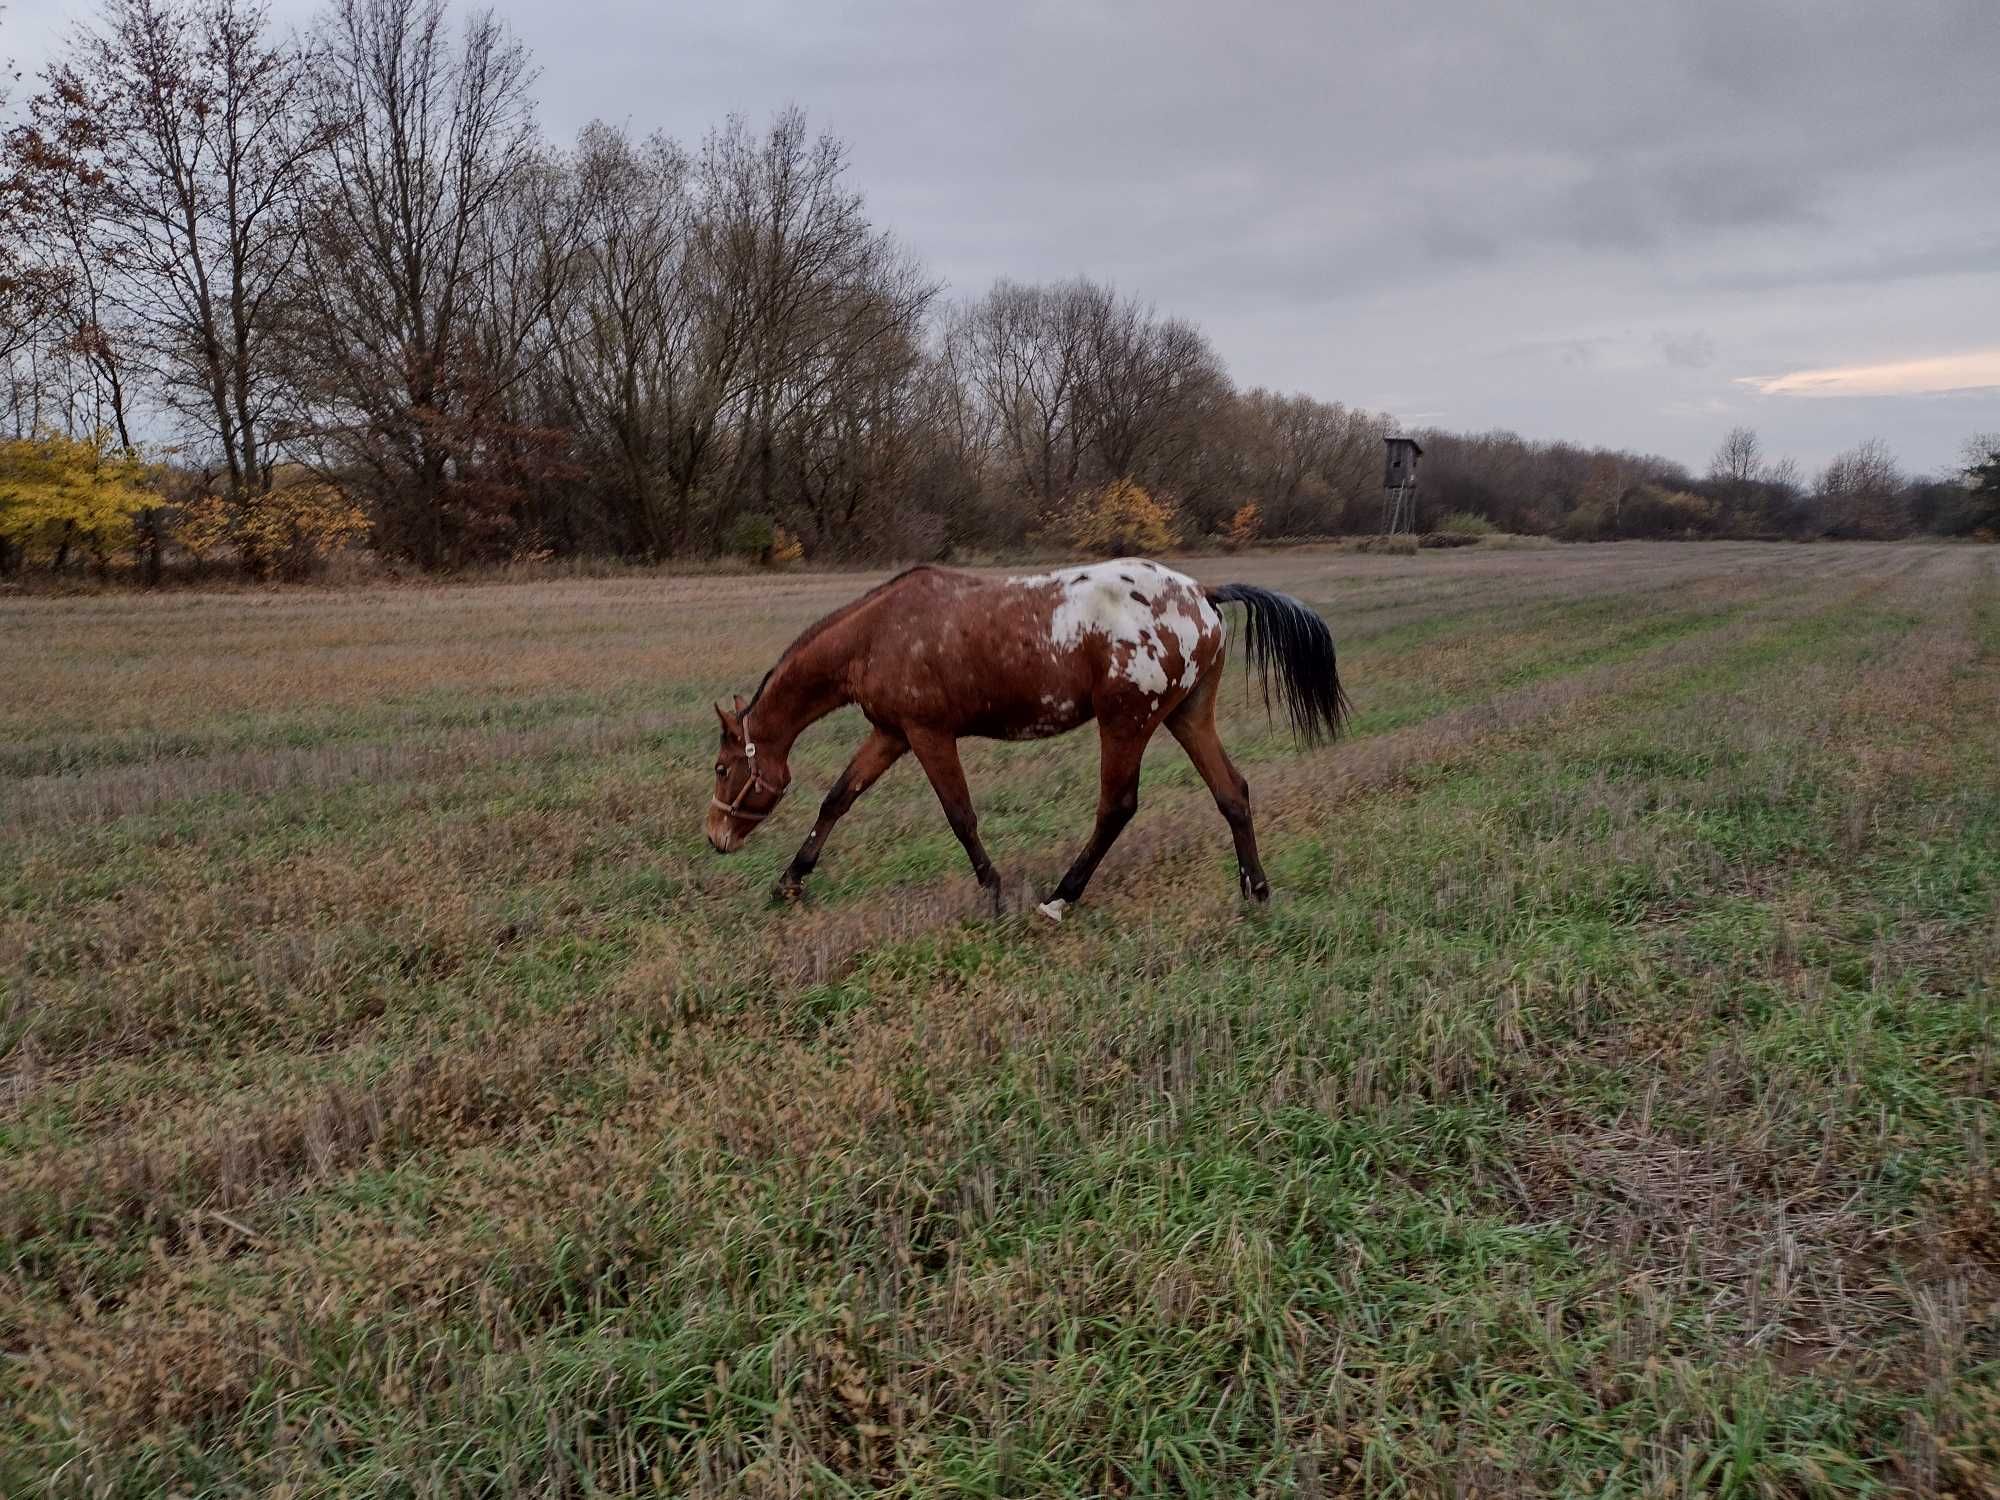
x=1622, y=223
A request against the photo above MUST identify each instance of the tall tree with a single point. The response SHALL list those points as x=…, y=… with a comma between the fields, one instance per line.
x=1739, y=458
x=425, y=134
x=1025, y=351
x=1859, y=492
x=1149, y=384
x=1981, y=468
x=187, y=129
x=815, y=293
x=638, y=378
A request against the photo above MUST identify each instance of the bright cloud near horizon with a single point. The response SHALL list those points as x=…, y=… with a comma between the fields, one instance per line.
x=1948, y=375
x=1606, y=222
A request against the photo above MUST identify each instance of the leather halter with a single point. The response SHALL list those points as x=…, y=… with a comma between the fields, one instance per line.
x=734, y=808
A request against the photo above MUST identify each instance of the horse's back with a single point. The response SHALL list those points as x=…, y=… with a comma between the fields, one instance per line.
x=1026, y=657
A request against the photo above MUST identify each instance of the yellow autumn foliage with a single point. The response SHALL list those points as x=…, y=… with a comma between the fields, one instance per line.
x=300, y=520
x=786, y=548
x=1121, y=519
x=1246, y=525
x=77, y=492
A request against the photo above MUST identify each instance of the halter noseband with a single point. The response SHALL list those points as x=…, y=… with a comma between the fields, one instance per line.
x=734, y=808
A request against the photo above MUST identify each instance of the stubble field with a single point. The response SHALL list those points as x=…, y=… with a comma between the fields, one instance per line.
x=397, y=1097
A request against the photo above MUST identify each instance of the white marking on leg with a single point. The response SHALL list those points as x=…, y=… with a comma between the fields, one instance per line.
x=1053, y=908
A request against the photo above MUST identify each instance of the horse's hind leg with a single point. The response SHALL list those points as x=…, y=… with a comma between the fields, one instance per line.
x=1193, y=724
x=938, y=755
x=878, y=752
x=1119, y=754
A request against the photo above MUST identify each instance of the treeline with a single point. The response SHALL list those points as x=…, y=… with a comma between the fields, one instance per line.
x=1594, y=494
x=374, y=306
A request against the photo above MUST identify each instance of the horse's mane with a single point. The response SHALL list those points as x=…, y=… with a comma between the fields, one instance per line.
x=820, y=626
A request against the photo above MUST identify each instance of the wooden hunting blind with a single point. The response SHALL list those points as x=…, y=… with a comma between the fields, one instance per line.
x=1399, y=466
x=1399, y=483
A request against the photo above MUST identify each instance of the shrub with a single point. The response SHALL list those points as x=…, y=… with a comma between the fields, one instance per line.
x=1244, y=526
x=1584, y=524
x=1402, y=544
x=753, y=539
x=786, y=549
x=1653, y=510
x=1465, y=523
x=1120, y=519
x=60, y=495
x=292, y=530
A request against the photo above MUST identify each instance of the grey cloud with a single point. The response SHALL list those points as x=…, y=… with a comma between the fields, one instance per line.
x=1691, y=351
x=1638, y=205
x=1840, y=267
x=1367, y=202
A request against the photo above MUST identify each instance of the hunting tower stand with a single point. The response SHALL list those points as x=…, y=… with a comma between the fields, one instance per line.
x=1399, y=484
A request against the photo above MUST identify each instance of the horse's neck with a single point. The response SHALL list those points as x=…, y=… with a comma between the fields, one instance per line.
x=807, y=684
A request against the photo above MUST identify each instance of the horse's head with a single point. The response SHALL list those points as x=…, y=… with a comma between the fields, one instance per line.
x=749, y=783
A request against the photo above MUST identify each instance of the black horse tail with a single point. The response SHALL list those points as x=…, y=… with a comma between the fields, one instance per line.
x=1286, y=640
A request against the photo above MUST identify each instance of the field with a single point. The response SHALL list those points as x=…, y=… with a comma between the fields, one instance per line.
x=399, y=1098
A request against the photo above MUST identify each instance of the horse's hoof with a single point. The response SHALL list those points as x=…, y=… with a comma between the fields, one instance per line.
x=788, y=893
x=1053, y=908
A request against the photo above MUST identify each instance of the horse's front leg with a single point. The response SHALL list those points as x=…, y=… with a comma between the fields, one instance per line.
x=938, y=755
x=878, y=752
x=1119, y=753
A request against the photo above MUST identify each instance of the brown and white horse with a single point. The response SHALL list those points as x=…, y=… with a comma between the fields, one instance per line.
x=932, y=656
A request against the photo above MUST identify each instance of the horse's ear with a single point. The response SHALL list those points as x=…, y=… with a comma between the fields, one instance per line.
x=740, y=706
x=731, y=725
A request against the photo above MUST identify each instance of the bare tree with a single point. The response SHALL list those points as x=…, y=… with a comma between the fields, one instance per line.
x=626, y=337
x=1312, y=466
x=84, y=332
x=20, y=274
x=1859, y=492
x=1978, y=451
x=811, y=288
x=1025, y=350
x=425, y=136
x=1148, y=383
x=850, y=447
x=1739, y=459
x=194, y=152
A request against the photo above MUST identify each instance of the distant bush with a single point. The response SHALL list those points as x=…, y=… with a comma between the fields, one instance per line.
x=764, y=543
x=1120, y=519
x=1464, y=523
x=291, y=531
x=1435, y=539
x=1584, y=524
x=1245, y=526
x=1653, y=510
x=1644, y=510
x=62, y=495
x=1403, y=544
x=752, y=539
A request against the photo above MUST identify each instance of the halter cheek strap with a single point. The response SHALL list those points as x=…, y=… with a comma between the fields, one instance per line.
x=756, y=782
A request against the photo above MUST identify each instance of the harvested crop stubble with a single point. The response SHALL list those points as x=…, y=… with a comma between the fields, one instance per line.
x=399, y=1098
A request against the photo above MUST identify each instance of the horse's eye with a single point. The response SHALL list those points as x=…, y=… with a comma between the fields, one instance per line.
x=721, y=771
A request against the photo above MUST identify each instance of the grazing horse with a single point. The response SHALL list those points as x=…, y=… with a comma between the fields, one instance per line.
x=932, y=656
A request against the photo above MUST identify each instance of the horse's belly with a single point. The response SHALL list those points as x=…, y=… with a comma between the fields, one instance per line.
x=1052, y=714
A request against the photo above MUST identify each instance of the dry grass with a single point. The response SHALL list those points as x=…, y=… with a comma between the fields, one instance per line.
x=399, y=1098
